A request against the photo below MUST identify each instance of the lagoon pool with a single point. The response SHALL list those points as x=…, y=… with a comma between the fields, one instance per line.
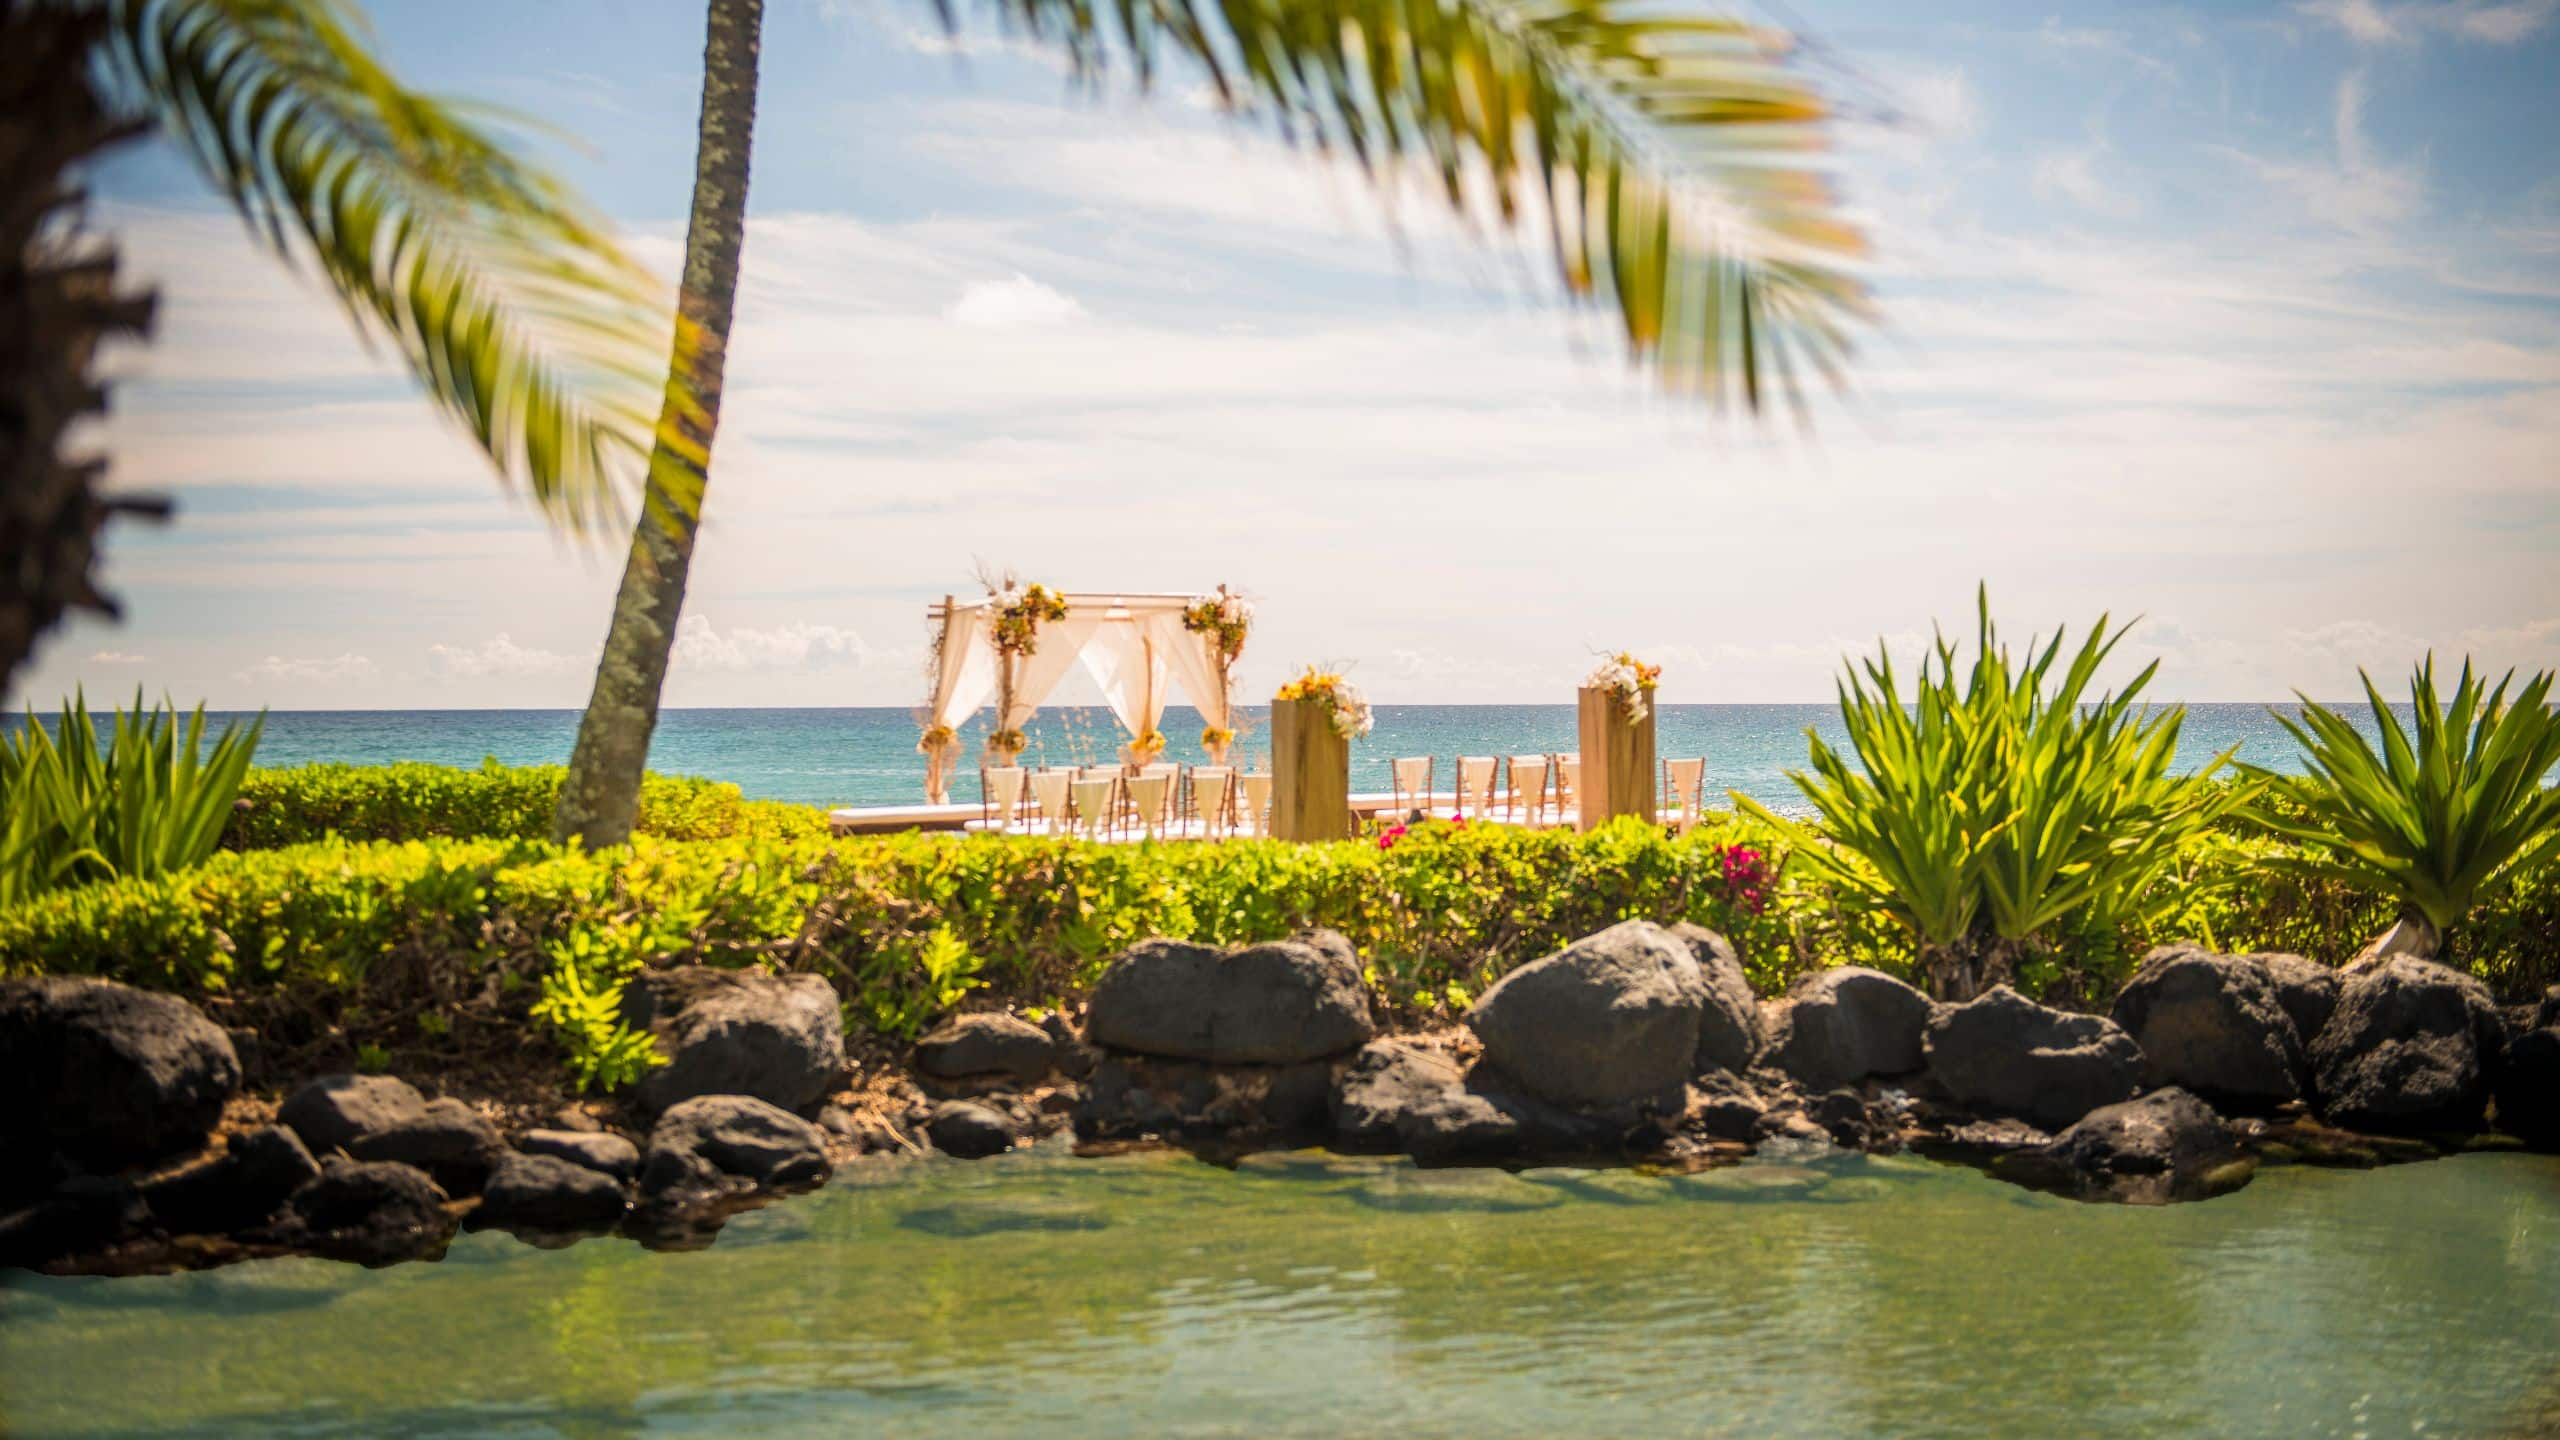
x=1831, y=1295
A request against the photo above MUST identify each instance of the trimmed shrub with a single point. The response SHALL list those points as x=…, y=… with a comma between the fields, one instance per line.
x=413, y=801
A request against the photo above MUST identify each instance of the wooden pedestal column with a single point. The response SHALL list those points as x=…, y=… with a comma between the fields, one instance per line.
x=1310, y=773
x=1617, y=760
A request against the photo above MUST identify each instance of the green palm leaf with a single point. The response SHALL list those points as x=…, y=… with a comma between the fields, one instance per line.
x=509, y=303
x=1666, y=152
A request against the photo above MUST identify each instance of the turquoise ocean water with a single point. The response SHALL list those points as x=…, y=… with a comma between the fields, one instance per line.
x=867, y=756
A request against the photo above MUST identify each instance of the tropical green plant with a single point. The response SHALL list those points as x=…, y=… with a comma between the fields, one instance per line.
x=147, y=801
x=2000, y=801
x=2435, y=819
x=298, y=804
x=1663, y=150
x=507, y=300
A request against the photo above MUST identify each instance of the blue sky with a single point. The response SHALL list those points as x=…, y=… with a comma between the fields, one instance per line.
x=2244, y=318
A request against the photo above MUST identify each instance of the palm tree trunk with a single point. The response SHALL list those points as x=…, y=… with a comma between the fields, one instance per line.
x=58, y=300
x=602, y=795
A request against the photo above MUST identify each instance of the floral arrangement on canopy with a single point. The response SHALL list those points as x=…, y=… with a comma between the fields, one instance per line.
x=1227, y=618
x=1344, y=705
x=1020, y=612
x=1148, y=744
x=1629, y=681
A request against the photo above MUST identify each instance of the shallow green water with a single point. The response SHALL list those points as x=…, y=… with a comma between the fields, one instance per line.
x=1306, y=1295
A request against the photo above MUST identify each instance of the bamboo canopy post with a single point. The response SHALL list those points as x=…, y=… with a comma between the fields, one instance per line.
x=1617, y=760
x=1310, y=773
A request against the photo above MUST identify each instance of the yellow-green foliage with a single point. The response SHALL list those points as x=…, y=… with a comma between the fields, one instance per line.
x=905, y=926
x=416, y=801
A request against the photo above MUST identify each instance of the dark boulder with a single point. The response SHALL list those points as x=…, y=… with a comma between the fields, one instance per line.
x=1608, y=1019
x=2166, y=1146
x=968, y=1130
x=1132, y=1096
x=714, y=1145
x=1723, y=1106
x=2213, y=1024
x=972, y=1045
x=1839, y=1026
x=1395, y=1096
x=601, y=1151
x=2528, y=1088
x=83, y=1214
x=544, y=1192
x=1282, y=1003
x=235, y=1190
x=1730, y=1032
x=2412, y=1049
x=2307, y=989
x=106, y=1074
x=373, y=1212
x=334, y=1111
x=446, y=1138
x=1856, y=1123
x=2004, y=1054
x=778, y=1038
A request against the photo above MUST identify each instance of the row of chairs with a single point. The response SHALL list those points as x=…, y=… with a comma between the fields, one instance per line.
x=1100, y=801
x=1530, y=789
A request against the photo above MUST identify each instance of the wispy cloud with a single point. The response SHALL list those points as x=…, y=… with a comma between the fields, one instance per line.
x=2373, y=23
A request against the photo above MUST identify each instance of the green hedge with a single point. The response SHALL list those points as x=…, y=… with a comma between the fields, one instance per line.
x=303, y=803
x=393, y=943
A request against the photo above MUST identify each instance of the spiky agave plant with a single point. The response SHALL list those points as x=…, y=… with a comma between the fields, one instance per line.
x=1999, y=801
x=2441, y=815
x=145, y=799
x=512, y=307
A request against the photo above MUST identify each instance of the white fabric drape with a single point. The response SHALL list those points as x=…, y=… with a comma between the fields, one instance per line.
x=1129, y=666
x=1056, y=645
x=1194, y=660
x=968, y=674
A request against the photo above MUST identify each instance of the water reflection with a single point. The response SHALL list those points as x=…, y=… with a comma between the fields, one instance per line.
x=1318, y=1295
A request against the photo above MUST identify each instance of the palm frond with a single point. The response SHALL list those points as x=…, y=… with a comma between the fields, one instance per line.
x=1668, y=153
x=509, y=302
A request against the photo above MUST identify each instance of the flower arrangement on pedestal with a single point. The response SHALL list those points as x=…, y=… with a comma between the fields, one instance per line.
x=1629, y=681
x=1344, y=706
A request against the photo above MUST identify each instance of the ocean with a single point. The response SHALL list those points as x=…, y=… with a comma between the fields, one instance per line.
x=867, y=756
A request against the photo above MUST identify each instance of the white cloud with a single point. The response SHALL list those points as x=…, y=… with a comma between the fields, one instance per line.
x=2368, y=22
x=701, y=646
x=118, y=657
x=498, y=656
x=2358, y=192
x=332, y=669
x=2073, y=175
x=1020, y=303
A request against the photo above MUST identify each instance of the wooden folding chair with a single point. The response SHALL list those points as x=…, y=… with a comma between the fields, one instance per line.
x=1213, y=789
x=999, y=796
x=1409, y=784
x=1051, y=797
x=1526, y=776
x=1475, y=783
x=1096, y=799
x=1569, y=787
x=1683, y=780
x=1256, y=804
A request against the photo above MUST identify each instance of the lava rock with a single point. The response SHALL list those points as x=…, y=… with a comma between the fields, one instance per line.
x=1730, y=1031
x=2166, y=1146
x=2411, y=1050
x=1853, y=1122
x=987, y=1044
x=1282, y=1003
x=969, y=1131
x=106, y=1074
x=2307, y=989
x=778, y=1038
x=712, y=1145
x=446, y=1138
x=84, y=1213
x=1606, y=1020
x=1131, y=1096
x=1841, y=1025
x=2212, y=1024
x=1395, y=1096
x=601, y=1151
x=2007, y=1055
x=242, y=1187
x=335, y=1111
x=1723, y=1106
x=545, y=1192
x=374, y=1212
x=2528, y=1088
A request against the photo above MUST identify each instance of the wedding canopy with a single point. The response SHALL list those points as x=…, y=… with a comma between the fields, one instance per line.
x=1136, y=647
